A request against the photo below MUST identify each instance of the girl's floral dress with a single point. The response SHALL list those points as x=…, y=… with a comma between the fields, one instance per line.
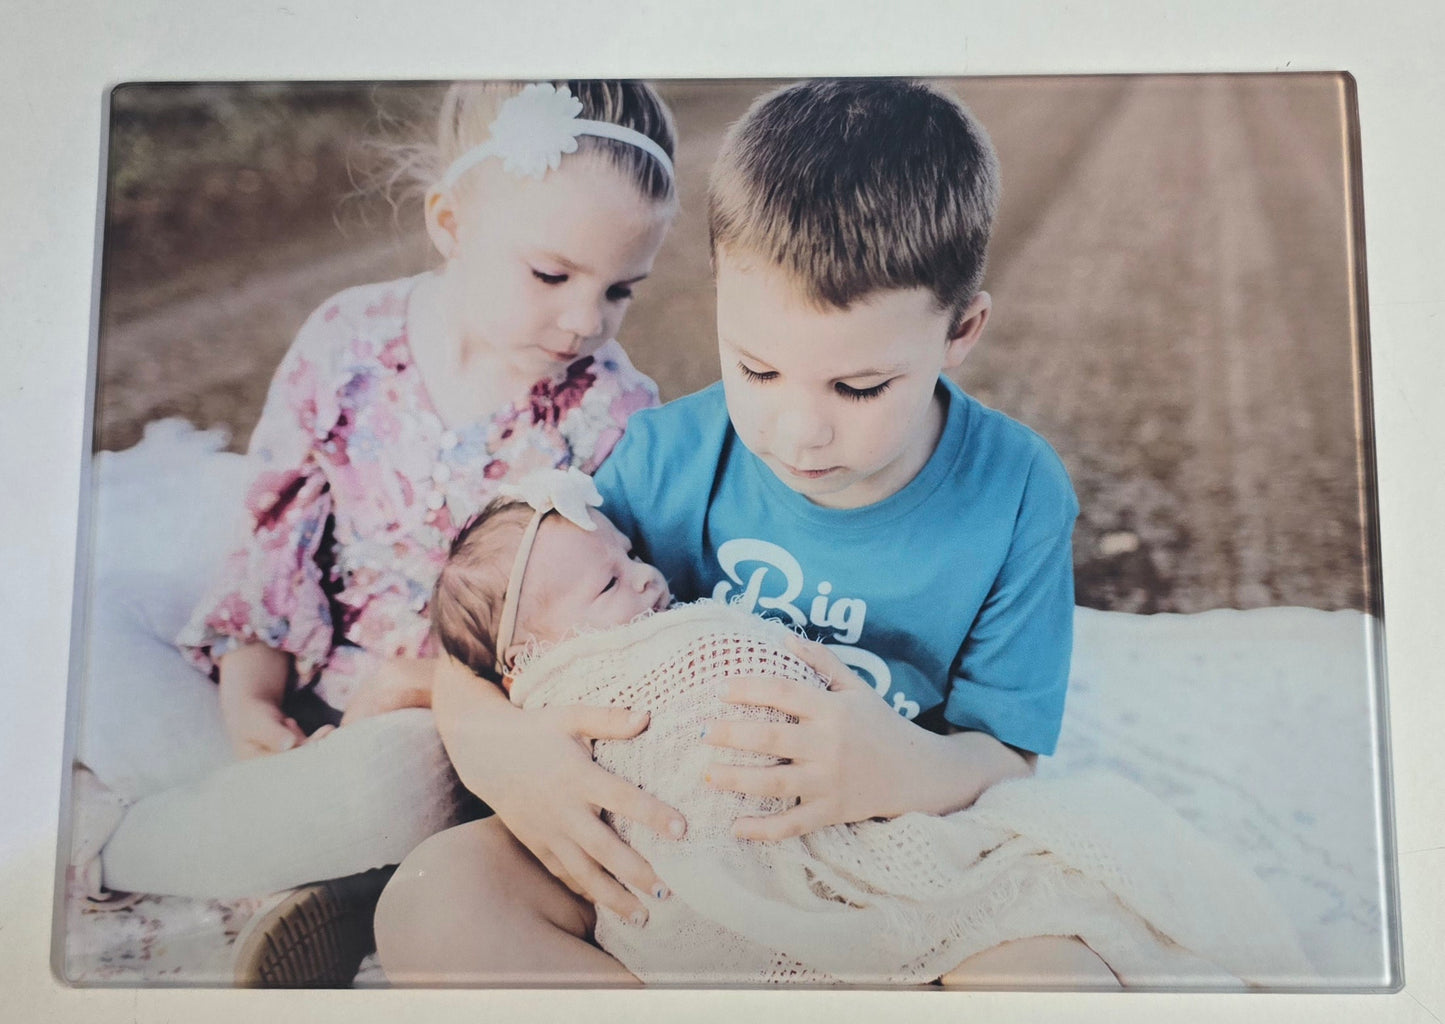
x=360, y=489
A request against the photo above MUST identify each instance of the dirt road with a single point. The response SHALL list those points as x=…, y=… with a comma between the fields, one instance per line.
x=1172, y=311
x=1175, y=318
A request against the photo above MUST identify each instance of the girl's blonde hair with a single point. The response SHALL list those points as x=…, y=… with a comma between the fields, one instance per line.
x=467, y=110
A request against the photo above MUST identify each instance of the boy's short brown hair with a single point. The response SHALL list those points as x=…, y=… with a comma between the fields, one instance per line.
x=858, y=185
x=466, y=603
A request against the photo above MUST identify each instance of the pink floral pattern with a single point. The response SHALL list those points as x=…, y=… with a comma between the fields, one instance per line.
x=360, y=488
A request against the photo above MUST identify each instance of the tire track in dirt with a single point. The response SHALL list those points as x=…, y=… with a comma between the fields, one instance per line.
x=1288, y=408
x=1041, y=143
x=1073, y=349
x=1305, y=210
x=1231, y=352
x=1152, y=327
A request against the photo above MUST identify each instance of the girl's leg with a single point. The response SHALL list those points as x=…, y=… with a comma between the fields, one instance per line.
x=1051, y=961
x=472, y=905
x=149, y=720
x=358, y=799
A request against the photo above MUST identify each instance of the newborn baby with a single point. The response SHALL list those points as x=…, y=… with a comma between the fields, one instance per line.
x=541, y=595
x=579, y=571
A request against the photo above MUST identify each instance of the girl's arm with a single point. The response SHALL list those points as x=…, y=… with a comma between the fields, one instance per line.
x=394, y=683
x=272, y=590
x=535, y=770
x=252, y=686
x=849, y=757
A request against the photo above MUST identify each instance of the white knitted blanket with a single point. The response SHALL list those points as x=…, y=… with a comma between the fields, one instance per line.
x=900, y=901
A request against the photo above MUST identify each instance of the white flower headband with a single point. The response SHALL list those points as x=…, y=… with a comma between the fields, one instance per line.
x=534, y=128
x=567, y=492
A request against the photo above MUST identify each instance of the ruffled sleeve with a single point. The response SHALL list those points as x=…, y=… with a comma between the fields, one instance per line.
x=273, y=587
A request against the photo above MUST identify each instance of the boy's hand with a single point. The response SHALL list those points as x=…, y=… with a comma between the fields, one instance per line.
x=849, y=757
x=535, y=770
x=257, y=727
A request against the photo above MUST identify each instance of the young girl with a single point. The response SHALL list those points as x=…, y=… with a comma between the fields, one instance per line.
x=393, y=418
x=543, y=596
x=403, y=404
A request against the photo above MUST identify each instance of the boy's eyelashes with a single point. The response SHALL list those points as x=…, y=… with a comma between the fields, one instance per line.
x=847, y=391
x=862, y=394
x=617, y=293
x=756, y=376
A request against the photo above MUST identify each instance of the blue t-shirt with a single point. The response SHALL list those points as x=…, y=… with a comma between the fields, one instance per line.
x=957, y=590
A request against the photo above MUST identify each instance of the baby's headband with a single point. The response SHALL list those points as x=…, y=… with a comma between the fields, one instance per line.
x=567, y=492
x=535, y=127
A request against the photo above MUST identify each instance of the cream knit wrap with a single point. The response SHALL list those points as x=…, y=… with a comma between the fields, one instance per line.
x=899, y=901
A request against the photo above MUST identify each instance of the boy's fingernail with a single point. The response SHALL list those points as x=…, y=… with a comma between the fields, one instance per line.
x=660, y=892
x=638, y=918
x=637, y=717
x=676, y=827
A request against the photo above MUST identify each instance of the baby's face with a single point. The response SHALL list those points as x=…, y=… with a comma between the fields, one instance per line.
x=577, y=579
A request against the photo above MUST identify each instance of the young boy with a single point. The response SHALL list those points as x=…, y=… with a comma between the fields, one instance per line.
x=834, y=479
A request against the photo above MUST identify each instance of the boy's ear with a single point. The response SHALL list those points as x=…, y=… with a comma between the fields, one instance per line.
x=441, y=222
x=968, y=330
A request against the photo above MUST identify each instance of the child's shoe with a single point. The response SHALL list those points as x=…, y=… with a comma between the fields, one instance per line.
x=312, y=937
